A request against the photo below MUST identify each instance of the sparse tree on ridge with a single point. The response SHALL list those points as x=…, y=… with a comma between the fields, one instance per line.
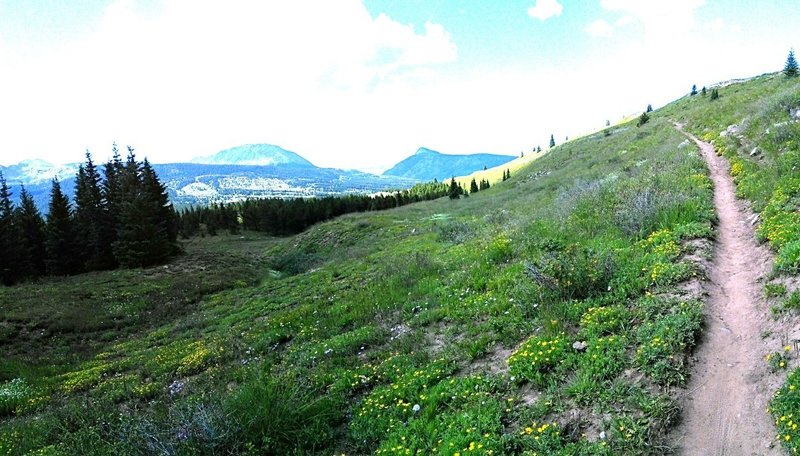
x=694, y=90
x=643, y=119
x=552, y=141
x=791, y=69
x=714, y=94
x=649, y=108
x=473, y=186
x=704, y=91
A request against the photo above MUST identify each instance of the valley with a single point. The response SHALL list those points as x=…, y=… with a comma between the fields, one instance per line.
x=607, y=299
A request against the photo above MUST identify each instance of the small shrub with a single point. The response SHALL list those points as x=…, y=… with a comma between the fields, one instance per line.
x=663, y=344
x=500, y=251
x=280, y=416
x=774, y=290
x=785, y=408
x=13, y=394
x=454, y=232
x=537, y=358
x=788, y=259
x=778, y=360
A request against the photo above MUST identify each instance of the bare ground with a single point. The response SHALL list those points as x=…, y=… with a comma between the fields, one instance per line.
x=725, y=402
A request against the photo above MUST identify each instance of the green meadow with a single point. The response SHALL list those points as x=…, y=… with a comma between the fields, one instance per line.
x=552, y=314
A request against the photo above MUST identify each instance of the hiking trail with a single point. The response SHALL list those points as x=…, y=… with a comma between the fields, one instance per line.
x=726, y=399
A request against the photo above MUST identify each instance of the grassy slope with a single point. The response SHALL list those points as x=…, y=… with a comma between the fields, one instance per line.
x=440, y=327
x=764, y=152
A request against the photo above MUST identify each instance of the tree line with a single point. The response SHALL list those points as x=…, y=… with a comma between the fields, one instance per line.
x=282, y=217
x=120, y=217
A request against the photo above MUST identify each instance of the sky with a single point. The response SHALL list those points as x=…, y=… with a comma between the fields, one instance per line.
x=359, y=84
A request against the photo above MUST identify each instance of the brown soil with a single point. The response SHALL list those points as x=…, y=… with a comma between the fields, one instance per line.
x=725, y=402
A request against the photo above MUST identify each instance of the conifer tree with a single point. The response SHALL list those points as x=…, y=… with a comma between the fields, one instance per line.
x=91, y=219
x=473, y=186
x=147, y=229
x=704, y=91
x=643, y=119
x=59, y=235
x=31, y=228
x=649, y=108
x=714, y=94
x=694, y=90
x=454, y=191
x=552, y=141
x=112, y=199
x=791, y=69
x=8, y=251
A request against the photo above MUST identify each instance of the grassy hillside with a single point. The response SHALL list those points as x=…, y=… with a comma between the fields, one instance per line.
x=443, y=327
x=755, y=124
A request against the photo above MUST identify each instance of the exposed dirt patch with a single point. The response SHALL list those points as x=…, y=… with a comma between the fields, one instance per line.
x=725, y=402
x=493, y=362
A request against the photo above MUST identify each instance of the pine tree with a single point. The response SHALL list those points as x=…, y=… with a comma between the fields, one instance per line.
x=31, y=229
x=552, y=141
x=649, y=108
x=8, y=242
x=714, y=94
x=791, y=69
x=91, y=219
x=454, y=191
x=473, y=186
x=694, y=90
x=112, y=200
x=147, y=227
x=59, y=235
x=704, y=91
x=643, y=119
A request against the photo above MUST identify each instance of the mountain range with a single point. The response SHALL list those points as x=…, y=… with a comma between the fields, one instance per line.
x=427, y=165
x=259, y=170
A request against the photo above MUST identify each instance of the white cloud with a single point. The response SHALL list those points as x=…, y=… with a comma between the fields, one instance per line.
x=600, y=29
x=193, y=77
x=624, y=20
x=545, y=9
x=659, y=17
x=717, y=25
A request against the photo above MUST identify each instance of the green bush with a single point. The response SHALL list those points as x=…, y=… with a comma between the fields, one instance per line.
x=279, y=416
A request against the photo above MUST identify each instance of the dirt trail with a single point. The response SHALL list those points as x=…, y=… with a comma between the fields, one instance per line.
x=728, y=393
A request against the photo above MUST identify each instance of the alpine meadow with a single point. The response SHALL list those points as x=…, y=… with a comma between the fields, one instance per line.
x=631, y=290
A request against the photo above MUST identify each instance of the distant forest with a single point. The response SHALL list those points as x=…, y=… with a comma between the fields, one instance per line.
x=281, y=217
x=121, y=217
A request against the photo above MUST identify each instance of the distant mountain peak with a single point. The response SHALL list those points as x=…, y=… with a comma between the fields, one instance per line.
x=427, y=164
x=425, y=150
x=254, y=155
